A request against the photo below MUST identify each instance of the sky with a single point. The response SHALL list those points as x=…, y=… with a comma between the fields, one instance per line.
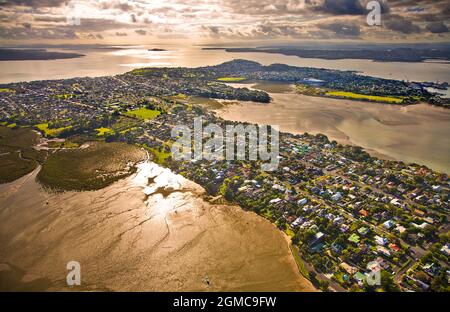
x=219, y=21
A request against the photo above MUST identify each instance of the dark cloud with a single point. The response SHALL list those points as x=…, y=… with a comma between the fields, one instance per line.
x=263, y=30
x=349, y=7
x=400, y=24
x=99, y=24
x=353, y=7
x=119, y=5
x=437, y=28
x=34, y=3
x=269, y=30
x=37, y=33
x=213, y=29
x=302, y=7
x=49, y=19
x=147, y=21
x=446, y=9
x=265, y=7
x=91, y=36
x=230, y=19
x=121, y=34
x=140, y=32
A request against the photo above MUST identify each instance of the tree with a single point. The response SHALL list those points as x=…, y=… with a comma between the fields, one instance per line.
x=324, y=285
x=418, y=179
x=308, y=235
x=229, y=194
x=429, y=231
x=387, y=282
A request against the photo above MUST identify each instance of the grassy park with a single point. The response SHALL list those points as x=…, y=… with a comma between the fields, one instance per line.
x=143, y=113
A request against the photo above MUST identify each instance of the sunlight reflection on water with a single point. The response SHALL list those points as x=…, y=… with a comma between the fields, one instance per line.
x=156, y=182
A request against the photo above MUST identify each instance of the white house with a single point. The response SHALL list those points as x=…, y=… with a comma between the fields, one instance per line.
x=336, y=197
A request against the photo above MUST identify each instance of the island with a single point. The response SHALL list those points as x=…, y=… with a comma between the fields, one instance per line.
x=34, y=55
x=157, y=50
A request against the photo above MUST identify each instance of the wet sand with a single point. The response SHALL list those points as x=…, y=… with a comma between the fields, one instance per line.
x=416, y=133
x=150, y=232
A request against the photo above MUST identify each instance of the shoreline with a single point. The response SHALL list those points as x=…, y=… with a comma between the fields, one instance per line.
x=226, y=272
x=337, y=130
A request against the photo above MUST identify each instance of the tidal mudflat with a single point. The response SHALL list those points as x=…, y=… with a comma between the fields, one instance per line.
x=152, y=231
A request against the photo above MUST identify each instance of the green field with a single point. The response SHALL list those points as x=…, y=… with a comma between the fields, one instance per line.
x=140, y=71
x=357, y=96
x=65, y=96
x=49, y=132
x=309, y=90
x=102, y=131
x=127, y=130
x=65, y=144
x=160, y=156
x=180, y=96
x=231, y=79
x=143, y=113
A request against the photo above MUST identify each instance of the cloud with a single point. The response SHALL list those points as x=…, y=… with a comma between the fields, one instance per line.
x=225, y=19
x=348, y=7
x=140, y=32
x=36, y=33
x=437, y=28
x=400, y=24
x=33, y=3
x=119, y=5
x=99, y=24
x=49, y=19
x=121, y=34
x=342, y=29
x=269, y=30
x=343, y=7
x=213, y=29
